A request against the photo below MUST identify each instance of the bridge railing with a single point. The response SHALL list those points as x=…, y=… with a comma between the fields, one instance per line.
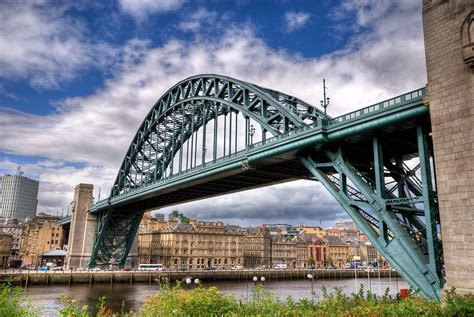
x=398, y=101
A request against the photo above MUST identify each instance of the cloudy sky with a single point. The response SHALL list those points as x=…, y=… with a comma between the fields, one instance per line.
x=76, y=80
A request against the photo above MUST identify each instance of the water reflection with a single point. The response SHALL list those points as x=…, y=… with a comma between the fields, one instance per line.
x=133, y=296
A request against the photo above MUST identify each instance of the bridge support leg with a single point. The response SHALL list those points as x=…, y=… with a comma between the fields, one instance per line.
x=114, y=238
x=402, y=228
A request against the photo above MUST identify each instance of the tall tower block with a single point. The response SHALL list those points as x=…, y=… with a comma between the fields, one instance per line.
x=449, y=43
x=83, y=226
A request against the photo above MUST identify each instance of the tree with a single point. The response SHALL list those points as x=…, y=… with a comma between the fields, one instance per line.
x=177, y=216
x=174, y=215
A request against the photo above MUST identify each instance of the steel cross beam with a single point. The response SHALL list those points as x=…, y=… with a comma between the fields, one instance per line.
x=410, y=245
x=115, y=234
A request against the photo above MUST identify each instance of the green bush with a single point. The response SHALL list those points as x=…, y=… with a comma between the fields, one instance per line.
x=174, y=301
x=200, y=301
x=13, y=305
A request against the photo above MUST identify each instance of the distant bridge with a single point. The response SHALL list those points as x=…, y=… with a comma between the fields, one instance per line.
x=211, y=135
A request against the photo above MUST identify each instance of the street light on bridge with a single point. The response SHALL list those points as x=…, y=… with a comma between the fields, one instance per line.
x=325, y=101
x=252, y=133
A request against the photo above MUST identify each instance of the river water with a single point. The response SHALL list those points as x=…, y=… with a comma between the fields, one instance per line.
x=132, y=297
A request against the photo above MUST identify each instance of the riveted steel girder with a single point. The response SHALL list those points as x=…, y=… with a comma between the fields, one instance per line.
x=404, y=228
x=188, y=106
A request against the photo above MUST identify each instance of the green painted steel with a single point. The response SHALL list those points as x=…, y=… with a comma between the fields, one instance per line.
x=197, y=141
x=386, y=229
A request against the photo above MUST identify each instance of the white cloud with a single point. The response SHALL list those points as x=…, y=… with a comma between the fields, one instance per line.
x=295, y=20
x=196, y=21
x=140, y=9
x=40, y=43
x=57, y=181
x=98, y=128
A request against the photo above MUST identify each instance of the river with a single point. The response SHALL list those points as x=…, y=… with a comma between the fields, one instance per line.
x=133, y=296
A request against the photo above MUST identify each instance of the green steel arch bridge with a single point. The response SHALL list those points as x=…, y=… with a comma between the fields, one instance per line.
x=211, y=135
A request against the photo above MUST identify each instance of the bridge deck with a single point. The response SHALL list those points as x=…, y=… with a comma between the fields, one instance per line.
x=270, y=162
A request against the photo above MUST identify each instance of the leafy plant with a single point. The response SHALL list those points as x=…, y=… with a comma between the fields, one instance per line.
x=13, y=305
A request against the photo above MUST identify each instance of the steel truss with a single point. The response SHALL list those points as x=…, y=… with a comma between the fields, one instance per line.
x=392, y=199
x=114, y=237
x=190, y=105
x=394, y=205
x=172, y=125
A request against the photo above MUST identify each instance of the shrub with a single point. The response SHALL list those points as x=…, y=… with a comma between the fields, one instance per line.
x=172, y=301
x=13, y=305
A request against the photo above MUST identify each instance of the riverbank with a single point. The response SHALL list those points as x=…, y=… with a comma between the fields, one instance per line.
x=200, y=301
x=133, y=296
x=27, y=278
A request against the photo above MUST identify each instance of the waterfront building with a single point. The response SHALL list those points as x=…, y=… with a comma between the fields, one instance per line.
x=350, y=235
x=150, y=223
x=283, y=251
x=368, y=252
x=5, y=249
x=318, y=252
x=284, y=230
x=14, y=228
x=197, y=245
x=18, y=196
x=301, y=252
x=346, y=225
x=354, y=250
x=334, y=232
x=256, y=245
x=41, y=234
x=338, y=251
x=56, y=256
x=316, y=231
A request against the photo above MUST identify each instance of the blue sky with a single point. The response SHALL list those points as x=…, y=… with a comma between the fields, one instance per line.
x=77, y=79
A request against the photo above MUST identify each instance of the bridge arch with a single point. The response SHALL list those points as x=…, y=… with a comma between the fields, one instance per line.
x=188, y=107
x=358, y=157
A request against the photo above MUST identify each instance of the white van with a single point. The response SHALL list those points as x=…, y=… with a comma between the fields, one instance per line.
x=281, y=266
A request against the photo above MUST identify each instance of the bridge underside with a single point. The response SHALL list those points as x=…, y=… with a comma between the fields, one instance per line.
x=376, y=162
x=277, y=169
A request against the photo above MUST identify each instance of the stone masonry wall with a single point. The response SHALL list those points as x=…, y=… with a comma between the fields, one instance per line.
x=451, y=102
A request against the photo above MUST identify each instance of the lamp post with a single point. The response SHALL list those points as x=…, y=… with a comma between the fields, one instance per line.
x=325, y=101
x=311, y=278
x=204, y=151
x=255, y=279
x=189, y=281
x=251, y=132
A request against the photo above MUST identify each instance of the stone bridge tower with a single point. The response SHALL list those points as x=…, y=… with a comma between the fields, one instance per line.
x=82, y=231
x=83, y=225
x=449, y=43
